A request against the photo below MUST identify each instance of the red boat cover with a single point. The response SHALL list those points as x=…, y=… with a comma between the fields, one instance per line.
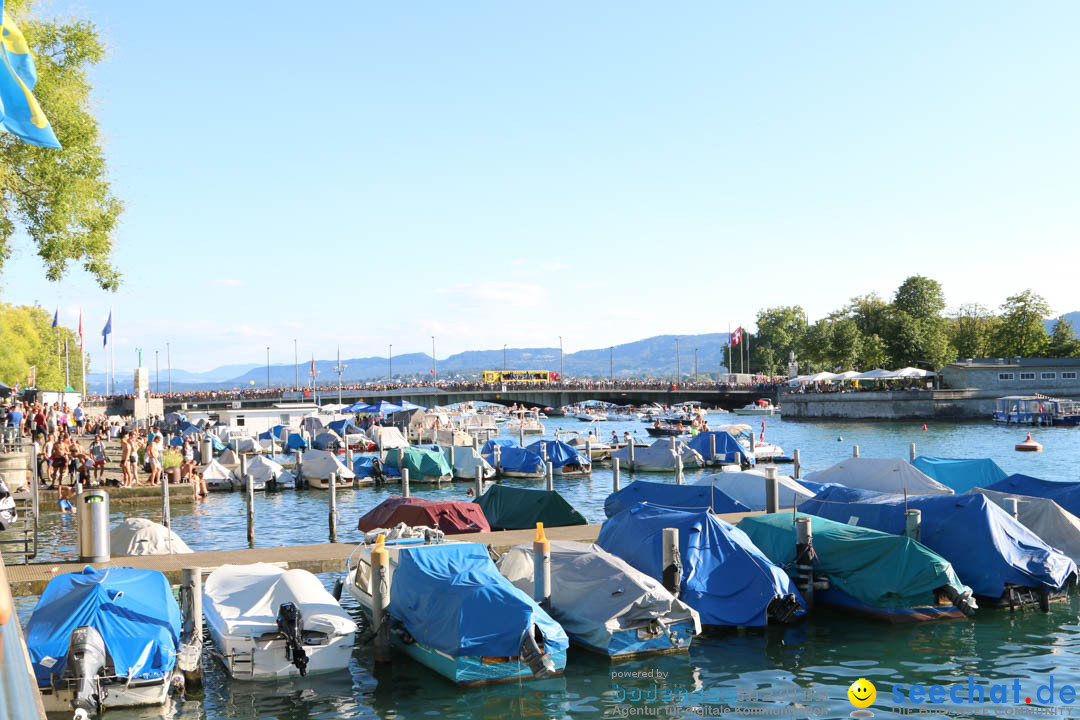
x=453, y=517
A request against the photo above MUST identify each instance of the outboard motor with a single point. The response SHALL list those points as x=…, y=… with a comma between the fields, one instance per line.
x=290, y=623
x=86, y=659
x=539, y=662
x=783, y=608
x=376, y=470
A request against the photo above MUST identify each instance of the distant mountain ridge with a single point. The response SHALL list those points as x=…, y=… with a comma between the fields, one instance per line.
x=654, y=356
x=1072, y=318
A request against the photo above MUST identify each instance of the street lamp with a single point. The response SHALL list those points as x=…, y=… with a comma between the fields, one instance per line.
x=390, y=375
x=678, y=361
x=339, y=369
x=267, y=367
x=434, y=364
x=168, y=359
x=504, y=357
x=562, y=371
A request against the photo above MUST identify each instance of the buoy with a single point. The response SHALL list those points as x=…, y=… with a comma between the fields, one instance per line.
x=840, y=439
x=924, y=427
x=1029, y=445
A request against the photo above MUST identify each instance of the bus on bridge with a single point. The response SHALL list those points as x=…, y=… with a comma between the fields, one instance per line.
x=519, y=377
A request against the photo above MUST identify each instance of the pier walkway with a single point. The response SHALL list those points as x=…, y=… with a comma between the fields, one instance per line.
x=31, y=579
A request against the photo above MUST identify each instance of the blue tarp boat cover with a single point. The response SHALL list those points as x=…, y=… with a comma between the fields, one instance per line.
x=724, y=576
x=679, y=497
x=513, y=458
x=296, y=442
x=961, y=474
x=133, y=609
x=1065, y=494
x=343, y=427
x=559, y=453
x=273, y=433
x=986, y=546
x=187, y=428
x=452, y=598
x=726, y=446
x=361, y=465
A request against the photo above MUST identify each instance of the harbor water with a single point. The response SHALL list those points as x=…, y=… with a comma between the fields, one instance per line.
x=798, y=671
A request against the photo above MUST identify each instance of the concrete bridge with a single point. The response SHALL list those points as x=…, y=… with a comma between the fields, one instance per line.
x=532, y=396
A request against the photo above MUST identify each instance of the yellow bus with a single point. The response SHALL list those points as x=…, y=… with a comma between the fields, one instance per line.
x=517, y=376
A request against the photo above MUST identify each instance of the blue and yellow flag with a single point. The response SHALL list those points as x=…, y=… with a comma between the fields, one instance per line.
x=20, y=113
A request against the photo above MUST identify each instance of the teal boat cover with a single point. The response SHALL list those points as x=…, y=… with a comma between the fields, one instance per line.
x=452, y=598
x=134, y=611
x=513, y=508
x=728, y=580
x=418, y=461
x=961, y=474
x=875, y=568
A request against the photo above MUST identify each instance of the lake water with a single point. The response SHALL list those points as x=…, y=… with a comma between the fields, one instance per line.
x=801, y=671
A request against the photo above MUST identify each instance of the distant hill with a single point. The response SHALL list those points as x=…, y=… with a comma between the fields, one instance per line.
x=1073, y=319
x=651, y=357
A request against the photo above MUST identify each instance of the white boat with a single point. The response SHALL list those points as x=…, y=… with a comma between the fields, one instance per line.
x=527, y=421
x=262, y=472
x=139, y=536
x=757, y=449
x=267, y=622
x=659, y=457
x=761, y=407
x=319, y=465
x=591, y=417
x=219, y=478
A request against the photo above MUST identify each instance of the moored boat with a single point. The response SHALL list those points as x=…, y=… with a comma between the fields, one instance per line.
x=565, y=460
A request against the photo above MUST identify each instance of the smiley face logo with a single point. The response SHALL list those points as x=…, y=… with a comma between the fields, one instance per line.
x=862, y=693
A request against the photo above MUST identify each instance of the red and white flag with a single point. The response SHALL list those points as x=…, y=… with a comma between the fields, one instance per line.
x=736, y=337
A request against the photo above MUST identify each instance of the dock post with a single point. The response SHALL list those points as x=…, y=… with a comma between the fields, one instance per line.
x=712, y=447
x=1012, y=507
x=678, y=470
x=542, y=568
x=550, y=476
x=190, y=657
x=588, y=451
x=615, y=475
x=476, y=442
x=404, y=482
x=630, y=445
x=772, y=490
x=333, y=507
x=206, y=451
x=671, y=567
x=796, y=460
x=380, y=599
x=739, y=459
x=753, y=445
x=497, y=457
x=543, y=451
x=854, y=451
x=479, y=480
x=913, y=524
x=299, y=468
x=243, y=469
x=911, y=452
x=521, y=435
x=451, y=455
x=348, y=455
x=166, y=511
x=249, y=496
x=804, y=566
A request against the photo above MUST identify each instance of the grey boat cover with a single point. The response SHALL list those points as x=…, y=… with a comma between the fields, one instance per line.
x=659, y=455
x=219, y=477
x=1056, y=526
x=139, y=536
x=884, y=475
x=595, y=594
x=387, y=438
x=748, y=487
x=320, y=463
x=262, y=469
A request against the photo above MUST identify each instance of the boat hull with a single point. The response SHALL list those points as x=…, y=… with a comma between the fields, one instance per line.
x=245, y=658
x=119, y=694
x=634, y=643
x=324, y=483
x=840, y=600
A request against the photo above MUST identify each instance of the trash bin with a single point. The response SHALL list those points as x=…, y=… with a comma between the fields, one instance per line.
x=92, y=516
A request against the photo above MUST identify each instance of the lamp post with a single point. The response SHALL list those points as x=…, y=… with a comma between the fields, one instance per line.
x=296, y=362
x=267, y=367
x=611, y=363
x=157, y=374
x=562, y=370
x=434, y=364
x=678, y=361
x=504, y=357
x=340, y=370
x=390, y=374
x=168, y=360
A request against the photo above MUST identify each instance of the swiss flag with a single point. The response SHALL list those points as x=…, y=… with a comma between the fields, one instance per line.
x=736, y=337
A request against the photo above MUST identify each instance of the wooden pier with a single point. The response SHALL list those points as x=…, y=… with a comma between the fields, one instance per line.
x=321, y=558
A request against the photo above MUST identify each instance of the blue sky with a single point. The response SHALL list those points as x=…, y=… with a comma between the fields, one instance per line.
x=494, y=172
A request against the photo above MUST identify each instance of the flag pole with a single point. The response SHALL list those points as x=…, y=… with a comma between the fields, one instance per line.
x=727, y=358
x=112, y=347
x=67, y=377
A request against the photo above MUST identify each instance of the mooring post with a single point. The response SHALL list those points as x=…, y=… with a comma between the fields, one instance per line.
x=1012, y=506
x=348, y=455
x=671, y=566
x=451, y=454
x=542, y=568
x=712, y=447
x=380, y=599
x=550, y=476
x=615, y=475
x=299, y=468
x=630, y=445
x=797, y=464
x=913, y=524
x=804, y=568
x=333, y=507
x=497, y=456
x=772, y=490
x=249, y=496
x=521, y=433
x=243, y=468
x=190, y=657
x=166, y=511
x=678, y=469
x=479, y=480
x=543, y=451
x=404, y=482
x=855, y=451
x=911, y=452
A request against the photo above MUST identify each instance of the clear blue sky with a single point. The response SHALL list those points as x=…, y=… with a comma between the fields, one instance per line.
x=499, y=172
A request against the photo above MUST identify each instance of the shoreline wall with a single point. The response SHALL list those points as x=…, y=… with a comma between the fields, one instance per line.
x=896, y=405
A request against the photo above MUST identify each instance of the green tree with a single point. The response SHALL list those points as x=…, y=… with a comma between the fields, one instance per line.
x=61, y=199
x=28, y=339
x=780, y=332
x=845, y=344
x=1063, y=342
x=872, y=353
x=920, y=297
x=917, y=341
x=1022, y=330
x=816, y=348
x=871, y=314
x=971, y=330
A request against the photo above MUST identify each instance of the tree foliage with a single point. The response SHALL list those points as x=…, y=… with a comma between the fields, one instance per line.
x=1022, y=330
x=28, y=339
x=779, y=334
x=1063, y=342
x=61, y=199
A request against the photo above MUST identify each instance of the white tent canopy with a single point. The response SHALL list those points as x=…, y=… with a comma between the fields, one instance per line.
x=846, y=375
x=139, y=536
x=877, y=374
x=748, y=487
x=886, y=475
x=910, y=372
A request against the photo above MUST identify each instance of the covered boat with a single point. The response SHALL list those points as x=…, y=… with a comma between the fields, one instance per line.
x=1004, y=563
x=604, y=604
x=319, y=465
x=387, y=438
x=1057, y=527
x=659, y=457
x=884, y=475
x=423, y=465
x=887, y=577
x=452, y=611
x=1064, y=493
x=466, y=459
x=960, y=474
x=724, y=576
x=512, y=460
x=218, y=477
x=246, y=445
x=453, y=517
x=103, y=639
x=683, y=497
x=513, y=508
x=268, y=622
x=748, y=488
x=564, y=458
x=265, y=473
x=139, y=536
x=370, y=466
x=327, y=440
x=719, y=448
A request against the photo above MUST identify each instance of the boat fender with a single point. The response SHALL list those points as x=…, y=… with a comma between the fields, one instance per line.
x=85, y=663
x=339, y=585
x=290, y=624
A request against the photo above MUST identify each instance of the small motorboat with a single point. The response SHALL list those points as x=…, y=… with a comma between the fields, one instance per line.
x=139, y=536
x=760, y=407
x=264, y=473
x=219, y=478
x=451, y=517
x=660, y=456
x=268, y=622
x=565, y=460
x=517, y=508
x=510, y=460
x=1029, y=445
x=105, y=639
x=319, y=465
x=660, y=429
x=452, y=611
x=604, y=604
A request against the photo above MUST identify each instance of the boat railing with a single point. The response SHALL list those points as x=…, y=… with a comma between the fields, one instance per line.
x=19, y=696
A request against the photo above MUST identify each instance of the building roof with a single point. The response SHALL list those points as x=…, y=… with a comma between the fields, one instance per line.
x=1070, y=362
